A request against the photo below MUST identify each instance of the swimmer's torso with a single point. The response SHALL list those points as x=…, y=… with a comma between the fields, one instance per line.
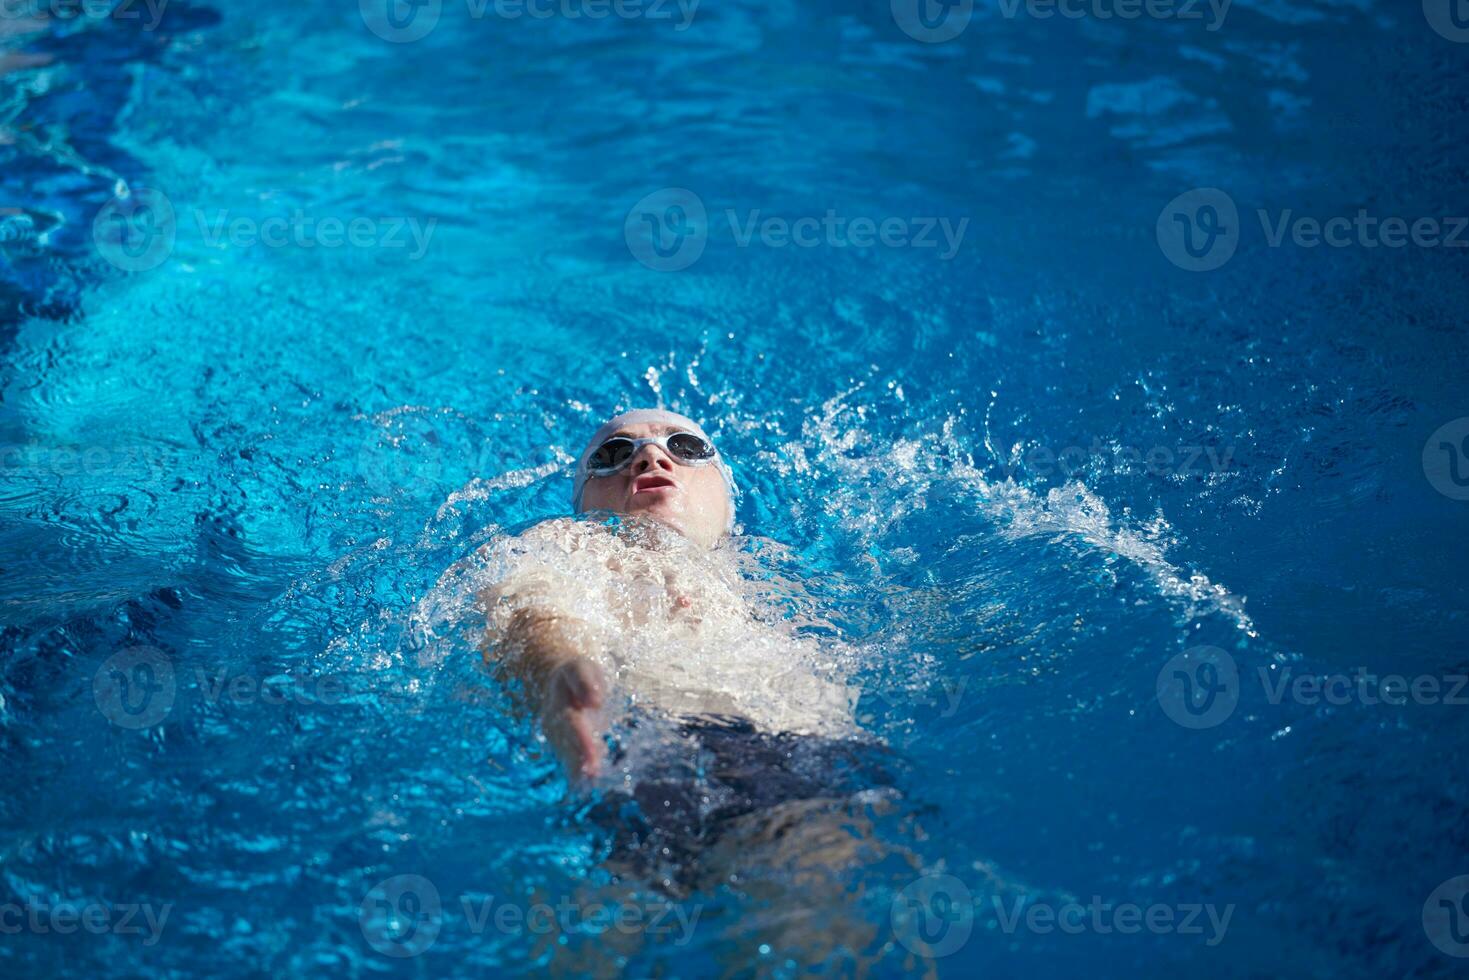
x=673, y=624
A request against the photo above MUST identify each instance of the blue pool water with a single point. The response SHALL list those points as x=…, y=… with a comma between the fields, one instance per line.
x=1043, y=475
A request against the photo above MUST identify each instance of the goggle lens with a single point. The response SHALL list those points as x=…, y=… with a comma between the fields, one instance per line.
x=612, y=454
x=689, y=447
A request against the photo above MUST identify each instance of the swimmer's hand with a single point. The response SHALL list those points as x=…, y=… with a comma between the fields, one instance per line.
x=572, y=715
x=543, y=646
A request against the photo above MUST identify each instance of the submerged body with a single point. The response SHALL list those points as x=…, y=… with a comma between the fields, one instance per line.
x=734, y=744
x=735, y=749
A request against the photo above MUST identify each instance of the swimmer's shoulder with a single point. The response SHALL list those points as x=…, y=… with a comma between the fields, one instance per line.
x=509, y=562
x=553, y=531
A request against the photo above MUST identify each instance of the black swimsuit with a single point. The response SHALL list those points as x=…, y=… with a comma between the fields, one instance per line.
x=714, y=770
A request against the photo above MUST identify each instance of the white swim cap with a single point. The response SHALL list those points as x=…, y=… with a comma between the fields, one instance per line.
x=644, y=416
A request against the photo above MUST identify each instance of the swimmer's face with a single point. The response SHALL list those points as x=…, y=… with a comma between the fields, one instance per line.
x=691, y=499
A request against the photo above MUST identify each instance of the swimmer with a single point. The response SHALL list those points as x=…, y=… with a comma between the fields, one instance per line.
x=736, y=753
x=652, y=465
x=656, y=605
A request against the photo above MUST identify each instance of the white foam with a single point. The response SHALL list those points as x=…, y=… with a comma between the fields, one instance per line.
x=936, y=462
x=679, y=629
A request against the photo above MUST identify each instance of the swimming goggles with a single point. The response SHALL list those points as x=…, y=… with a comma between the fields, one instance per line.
x=685, y=447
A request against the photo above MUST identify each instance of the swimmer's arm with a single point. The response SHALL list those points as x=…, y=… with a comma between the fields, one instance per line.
x=547, y=651
x=533, y=644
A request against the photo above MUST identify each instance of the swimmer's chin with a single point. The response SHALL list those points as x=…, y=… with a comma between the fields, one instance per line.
x=651, y=514
x=656, y=516
x=660, y=512
x=651, y=524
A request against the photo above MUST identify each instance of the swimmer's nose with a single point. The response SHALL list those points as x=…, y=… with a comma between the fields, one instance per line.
x=650, y=457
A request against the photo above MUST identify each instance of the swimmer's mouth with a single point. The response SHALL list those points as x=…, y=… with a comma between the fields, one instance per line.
x=652, y=481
